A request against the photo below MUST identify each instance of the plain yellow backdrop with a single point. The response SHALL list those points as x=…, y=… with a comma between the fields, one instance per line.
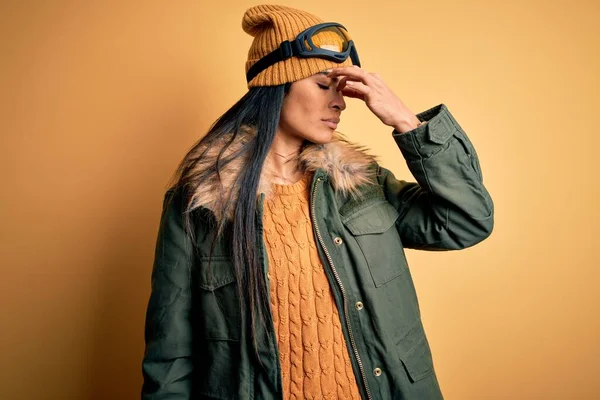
x=100, y=100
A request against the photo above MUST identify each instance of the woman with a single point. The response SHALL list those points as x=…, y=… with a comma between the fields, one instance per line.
x=280, y=270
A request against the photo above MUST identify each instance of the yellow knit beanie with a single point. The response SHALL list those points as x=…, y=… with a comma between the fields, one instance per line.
x=272, y=24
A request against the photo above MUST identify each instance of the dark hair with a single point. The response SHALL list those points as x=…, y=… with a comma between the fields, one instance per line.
x=259, y=108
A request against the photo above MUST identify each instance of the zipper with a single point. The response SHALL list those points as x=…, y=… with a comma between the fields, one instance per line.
x=339, y=282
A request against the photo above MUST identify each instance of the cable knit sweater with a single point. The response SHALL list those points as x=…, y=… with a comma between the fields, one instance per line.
x=315, y=362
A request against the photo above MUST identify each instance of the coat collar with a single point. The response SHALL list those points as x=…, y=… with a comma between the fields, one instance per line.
x=347, y=166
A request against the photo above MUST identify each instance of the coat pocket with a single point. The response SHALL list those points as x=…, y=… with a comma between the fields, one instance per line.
x=373, y=227
x=217, y=309
x=415, y=354
x=217, y=320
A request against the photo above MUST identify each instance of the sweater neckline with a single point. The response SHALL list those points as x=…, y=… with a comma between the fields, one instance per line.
x=293, y=188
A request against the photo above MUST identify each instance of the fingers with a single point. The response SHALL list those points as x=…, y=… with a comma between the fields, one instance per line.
x=353, y=89
x=353, y=94
x=354, y=72
x=356, y=82
x=343, y=83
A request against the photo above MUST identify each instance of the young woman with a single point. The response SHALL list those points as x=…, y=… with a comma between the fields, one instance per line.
x=280, y=270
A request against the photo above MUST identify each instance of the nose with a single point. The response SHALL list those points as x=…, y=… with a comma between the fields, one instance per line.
x=338, y=100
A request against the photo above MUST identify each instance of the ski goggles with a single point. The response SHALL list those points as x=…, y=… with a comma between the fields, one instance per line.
x=328, y=40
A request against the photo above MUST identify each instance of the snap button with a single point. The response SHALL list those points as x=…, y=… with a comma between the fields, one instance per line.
x=338, y=240
x=377, y=372
x=359, y=305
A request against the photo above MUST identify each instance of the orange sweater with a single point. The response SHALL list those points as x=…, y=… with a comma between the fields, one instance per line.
x=315, y=363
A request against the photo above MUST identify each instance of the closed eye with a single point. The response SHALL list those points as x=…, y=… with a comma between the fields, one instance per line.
x=323, y=86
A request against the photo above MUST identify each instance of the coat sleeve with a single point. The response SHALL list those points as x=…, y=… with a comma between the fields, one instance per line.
x=448, y=208
x=167, y=362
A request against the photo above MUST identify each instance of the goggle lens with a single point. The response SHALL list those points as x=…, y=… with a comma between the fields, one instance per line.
x=331, y=38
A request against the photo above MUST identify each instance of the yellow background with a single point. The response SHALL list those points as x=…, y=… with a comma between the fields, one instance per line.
x=100, y=100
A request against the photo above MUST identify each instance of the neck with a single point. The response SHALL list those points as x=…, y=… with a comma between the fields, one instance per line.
x=283, y=159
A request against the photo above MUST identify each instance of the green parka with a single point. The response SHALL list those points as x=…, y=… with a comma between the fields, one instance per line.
x=198, y=342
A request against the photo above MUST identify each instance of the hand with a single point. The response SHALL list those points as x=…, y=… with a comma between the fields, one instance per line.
x=381, y=100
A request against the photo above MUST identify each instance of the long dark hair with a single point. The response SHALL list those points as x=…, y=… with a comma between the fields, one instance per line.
x=259, y=108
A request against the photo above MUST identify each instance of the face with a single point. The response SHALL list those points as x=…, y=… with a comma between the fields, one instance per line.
x=307, y=106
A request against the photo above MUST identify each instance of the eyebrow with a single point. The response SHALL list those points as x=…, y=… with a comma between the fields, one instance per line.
x=325, y=73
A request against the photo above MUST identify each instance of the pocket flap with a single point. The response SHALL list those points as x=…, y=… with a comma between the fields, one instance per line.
x=218, y=274
x=376, y=218
x=418, y=361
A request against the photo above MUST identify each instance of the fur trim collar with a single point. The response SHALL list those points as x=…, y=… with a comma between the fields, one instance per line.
x=345, y=163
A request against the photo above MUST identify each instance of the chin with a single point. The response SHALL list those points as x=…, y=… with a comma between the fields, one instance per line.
x=320, y=137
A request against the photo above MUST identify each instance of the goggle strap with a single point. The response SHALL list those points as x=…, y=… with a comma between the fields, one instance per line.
x=283, y=52
x=289, y=49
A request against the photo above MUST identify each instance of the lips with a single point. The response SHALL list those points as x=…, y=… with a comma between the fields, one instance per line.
x=332, y=122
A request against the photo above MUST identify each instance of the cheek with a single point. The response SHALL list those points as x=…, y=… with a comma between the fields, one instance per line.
x=314, y=107
x=303, y=118
x=302, y=112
